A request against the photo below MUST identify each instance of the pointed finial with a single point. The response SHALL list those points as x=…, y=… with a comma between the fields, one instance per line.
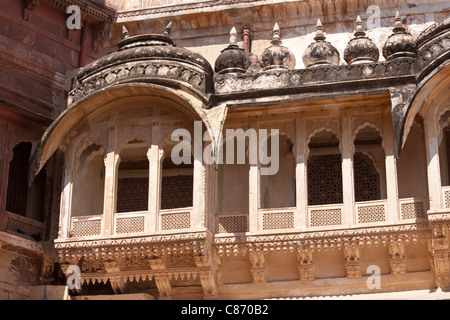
x=319, y=31
x=168, y=29
x=276, y=34
x=233, y=36
x=124, y=32
x=359, y=31
x=398, y=24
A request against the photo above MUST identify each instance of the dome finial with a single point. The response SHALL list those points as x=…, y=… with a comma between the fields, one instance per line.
x=359, y=30
x=168, y=29
x=319, y=31
x=233, y=36
x=276, y=34
x=398, y=28
x=124, y=32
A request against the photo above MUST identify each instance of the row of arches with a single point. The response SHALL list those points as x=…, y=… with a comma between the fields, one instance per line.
x=133, y=180
x=324, y=174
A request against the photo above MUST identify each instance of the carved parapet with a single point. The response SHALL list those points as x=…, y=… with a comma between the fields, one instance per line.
x=231, y=83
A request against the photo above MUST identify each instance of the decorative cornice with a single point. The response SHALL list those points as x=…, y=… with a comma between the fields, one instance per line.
x=179, y=8
x=88, y=8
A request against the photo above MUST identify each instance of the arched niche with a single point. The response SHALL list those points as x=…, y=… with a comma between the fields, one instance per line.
x=324, y=168
x=369, y=170
x=88, y=182
x=278, y=189
x=133, y=176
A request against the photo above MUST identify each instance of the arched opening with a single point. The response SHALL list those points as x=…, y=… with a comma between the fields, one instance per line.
x=133, y=177
x=89, y=182
x=233, y=180
x=412, y=164
x=369, y=166
x=324, y=168
x=278, y=190
x=17, y=192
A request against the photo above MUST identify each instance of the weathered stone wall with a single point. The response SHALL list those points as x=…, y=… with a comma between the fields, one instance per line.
x=204, y=27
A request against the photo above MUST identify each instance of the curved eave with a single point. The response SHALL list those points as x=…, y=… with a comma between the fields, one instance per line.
x=424, y=90
x=56, y=134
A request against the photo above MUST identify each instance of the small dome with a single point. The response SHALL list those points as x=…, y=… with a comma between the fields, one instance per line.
x=277, y=56
x=232, y=58
x=400, y=43
x=320, y=52
x=149, y=47
x=361, y=49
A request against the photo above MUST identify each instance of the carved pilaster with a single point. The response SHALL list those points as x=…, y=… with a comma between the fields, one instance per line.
x=352, y=260
x=397, y=257
x=258, y=269
x=440, y=253
x=305, y=263
x=218, y=268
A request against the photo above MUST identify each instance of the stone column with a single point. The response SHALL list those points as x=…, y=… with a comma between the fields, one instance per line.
x=253, y=189
x=112, y=161
x=155, y=156
x=434, y=172
x=198, y=201
x=348, y=187
x=66, y=203
x=301, y=177
x=392, y=213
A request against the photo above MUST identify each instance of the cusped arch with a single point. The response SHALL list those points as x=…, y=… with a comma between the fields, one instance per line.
x=315, y=132
x=364, y=125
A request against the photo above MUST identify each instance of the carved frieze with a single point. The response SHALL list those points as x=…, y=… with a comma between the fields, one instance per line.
x=147, y=70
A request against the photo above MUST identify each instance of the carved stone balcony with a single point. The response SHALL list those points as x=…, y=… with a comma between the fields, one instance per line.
x=24, y=226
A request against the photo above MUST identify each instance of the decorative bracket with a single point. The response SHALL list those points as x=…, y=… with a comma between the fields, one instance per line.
x=397, y=255
x=305, y=263
x=352, y=260
x=28, y=7
x=258, y=269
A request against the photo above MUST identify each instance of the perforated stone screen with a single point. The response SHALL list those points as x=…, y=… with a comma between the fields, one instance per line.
x=176, y=192
x=325, y=180
x=132, y=194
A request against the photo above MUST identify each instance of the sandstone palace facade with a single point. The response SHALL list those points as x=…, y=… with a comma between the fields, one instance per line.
x=354, y=94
